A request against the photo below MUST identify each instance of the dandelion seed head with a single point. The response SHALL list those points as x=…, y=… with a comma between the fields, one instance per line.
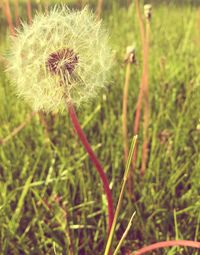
x=64, y=55
x=148, y=11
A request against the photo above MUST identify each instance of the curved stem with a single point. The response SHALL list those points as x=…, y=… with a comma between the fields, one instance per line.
x=95, y=161
x=164, y=244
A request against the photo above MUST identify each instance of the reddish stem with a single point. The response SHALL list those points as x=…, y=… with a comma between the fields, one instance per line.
x=29, y=12
x=9, y=17
x=95, y=161
x=146, y=102
x=17, y=20
x=124, y=111
x=141, y=90
x=99, y=8
x=164, y=244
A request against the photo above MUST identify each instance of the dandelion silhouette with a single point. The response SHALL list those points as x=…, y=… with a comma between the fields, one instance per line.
x=63, y=59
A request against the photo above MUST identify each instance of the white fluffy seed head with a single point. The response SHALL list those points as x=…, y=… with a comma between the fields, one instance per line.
x=64, y=55
x=148, y=11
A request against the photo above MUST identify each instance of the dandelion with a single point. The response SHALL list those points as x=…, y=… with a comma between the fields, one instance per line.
x=148, y=11
x=63, y=59
x=64, y=55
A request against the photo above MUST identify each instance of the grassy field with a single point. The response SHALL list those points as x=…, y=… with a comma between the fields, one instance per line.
x=51, y=199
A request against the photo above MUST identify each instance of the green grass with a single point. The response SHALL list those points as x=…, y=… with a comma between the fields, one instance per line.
x=50, y=194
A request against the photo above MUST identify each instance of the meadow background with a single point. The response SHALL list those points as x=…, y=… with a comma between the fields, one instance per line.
x=51, y=199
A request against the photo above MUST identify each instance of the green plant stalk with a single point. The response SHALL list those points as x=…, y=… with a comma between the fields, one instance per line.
x=110, y=237
x=176, y=225
x=125, y=234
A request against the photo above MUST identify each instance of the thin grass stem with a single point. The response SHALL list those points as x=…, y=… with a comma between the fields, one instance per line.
x=110, y=238
x=124, y=235
x=130, y=60
x=18, y=129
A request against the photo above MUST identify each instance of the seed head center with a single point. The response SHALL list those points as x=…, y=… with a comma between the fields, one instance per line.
x=62, y=61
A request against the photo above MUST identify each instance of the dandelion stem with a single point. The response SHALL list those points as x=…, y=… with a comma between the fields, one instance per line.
x=124, y=110
x=146, y=102
x=124, y=123
x=29, y=12
x=140, y=96
x=9, y=17
x=143, y=92
x=141, y=23
x=164, y=244
x=99, y=8
x=17, y=20
x=95, y=161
